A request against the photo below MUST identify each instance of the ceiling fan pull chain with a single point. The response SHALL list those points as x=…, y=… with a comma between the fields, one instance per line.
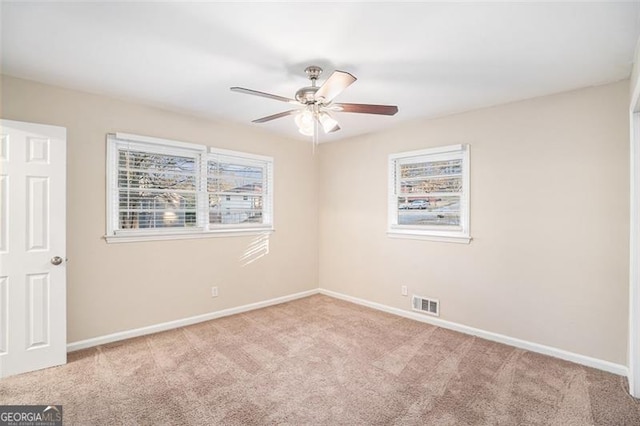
x=315, y=127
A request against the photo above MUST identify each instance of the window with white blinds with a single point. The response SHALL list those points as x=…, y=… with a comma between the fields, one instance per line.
x=429, y=194
x=238, y=190
x=166, y=189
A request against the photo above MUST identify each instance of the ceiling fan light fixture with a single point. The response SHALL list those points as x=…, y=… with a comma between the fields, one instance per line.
x=329, y=124
x=304, y=121
x=306, y=131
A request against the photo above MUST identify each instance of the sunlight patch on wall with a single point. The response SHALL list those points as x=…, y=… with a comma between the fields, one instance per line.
x=256, y=249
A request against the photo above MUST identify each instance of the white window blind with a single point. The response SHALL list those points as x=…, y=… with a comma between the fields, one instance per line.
x=161, y=188
x=429, y=193
x=238, y=190
x=156, y=189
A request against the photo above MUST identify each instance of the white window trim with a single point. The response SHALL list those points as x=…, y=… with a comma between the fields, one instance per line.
x=181, y=148
x=441, y=234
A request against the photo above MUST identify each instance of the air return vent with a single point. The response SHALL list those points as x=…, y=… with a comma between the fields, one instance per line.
x=428, y=306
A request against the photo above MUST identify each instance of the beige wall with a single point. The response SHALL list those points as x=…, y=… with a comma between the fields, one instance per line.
x=635, y=72
x=549, y=219
x=116, y=287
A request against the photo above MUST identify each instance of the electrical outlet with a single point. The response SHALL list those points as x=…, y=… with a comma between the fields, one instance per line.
x=214, y=291
x=404, y=290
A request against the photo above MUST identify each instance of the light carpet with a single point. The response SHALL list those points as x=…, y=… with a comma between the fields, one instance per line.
x=322, y=361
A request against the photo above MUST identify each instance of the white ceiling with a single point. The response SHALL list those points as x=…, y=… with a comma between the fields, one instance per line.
x=430, y=59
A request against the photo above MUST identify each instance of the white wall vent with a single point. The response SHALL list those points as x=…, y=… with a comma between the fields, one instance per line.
x=428, y=306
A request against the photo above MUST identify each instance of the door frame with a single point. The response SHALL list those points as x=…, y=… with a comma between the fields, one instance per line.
x=634, y=243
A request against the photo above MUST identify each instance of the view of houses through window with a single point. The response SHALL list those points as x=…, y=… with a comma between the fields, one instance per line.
x=235, y=192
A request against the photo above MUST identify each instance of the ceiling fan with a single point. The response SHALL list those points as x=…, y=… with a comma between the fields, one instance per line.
x=315, y=103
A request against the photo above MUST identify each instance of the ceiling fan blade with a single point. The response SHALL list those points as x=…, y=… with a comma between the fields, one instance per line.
x=367, y=108
x=336, y=83
x=274, y=116
x=263, y=94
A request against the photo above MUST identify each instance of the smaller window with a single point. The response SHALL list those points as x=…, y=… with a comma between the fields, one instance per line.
x=239, y=190
x=429, y=194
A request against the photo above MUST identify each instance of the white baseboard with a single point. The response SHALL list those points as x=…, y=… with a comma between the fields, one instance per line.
x=523, y=344
x=122, y=335
x=610, y=367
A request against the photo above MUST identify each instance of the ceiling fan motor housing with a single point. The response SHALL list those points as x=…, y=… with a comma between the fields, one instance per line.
x=307, y=95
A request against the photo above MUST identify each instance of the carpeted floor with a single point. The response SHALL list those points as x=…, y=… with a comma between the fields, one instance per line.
x=321, y=361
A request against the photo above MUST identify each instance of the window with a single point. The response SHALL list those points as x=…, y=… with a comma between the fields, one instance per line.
x=429, y=194
x=161, y=189
x=238, y=189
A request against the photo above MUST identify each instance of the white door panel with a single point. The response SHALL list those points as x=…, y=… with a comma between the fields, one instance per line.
x=32, y=234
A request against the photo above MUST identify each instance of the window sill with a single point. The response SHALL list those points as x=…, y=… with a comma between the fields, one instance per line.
x=416, y=235
x=187, y=235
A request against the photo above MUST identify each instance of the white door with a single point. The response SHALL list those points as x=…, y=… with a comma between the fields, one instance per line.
x=32, y=247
